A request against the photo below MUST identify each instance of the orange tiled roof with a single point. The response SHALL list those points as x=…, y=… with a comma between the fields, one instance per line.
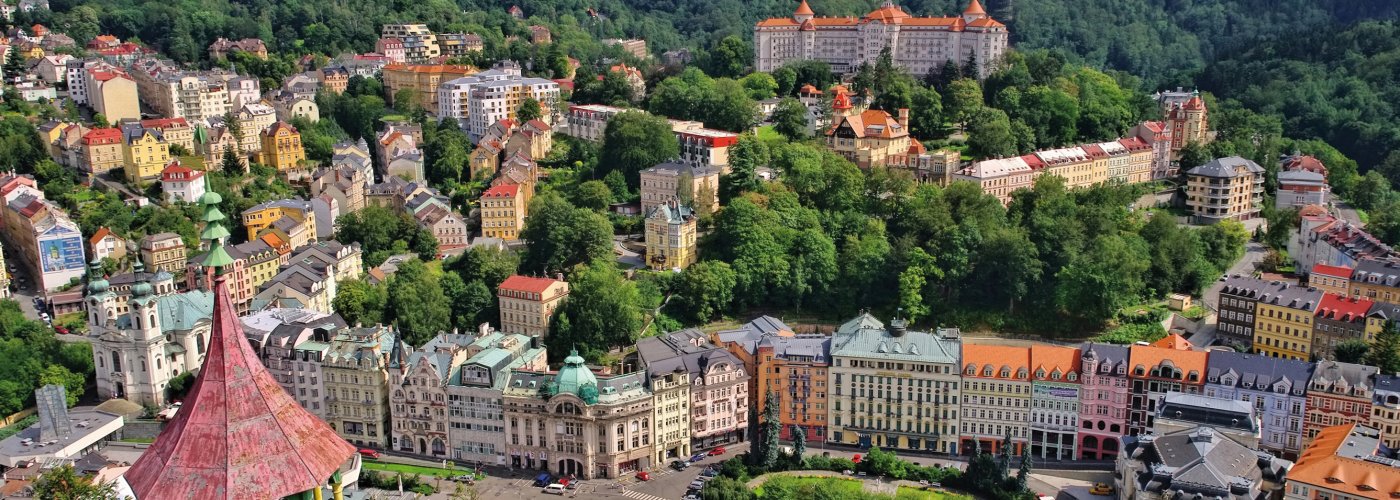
x=1326, y=270
x=502, y=191
x=428, y=68
x=985, y=22
x=975, y=9
x=518, y=283
x=888, y=14
x=1174, y=341
x=1321, y=466
x=1148, y=356
x=997, y=356
x=803, y=9
x=101, y=233
x=864, y=123
x=1051, y=358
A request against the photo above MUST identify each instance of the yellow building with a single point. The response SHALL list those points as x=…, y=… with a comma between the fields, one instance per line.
x=870, y=138
x=1230, y=188
x=422, y=79
x=281, y=147
x=1074, y=165
x=144, y=153
x=670, y=236
x=265, y=215
x=528, y=304
x=1283, y=323
x=502, y=212
x=1376, y=280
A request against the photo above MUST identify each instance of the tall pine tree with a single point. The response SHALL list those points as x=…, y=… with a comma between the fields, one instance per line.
x=1385, y=351
x=769, y=429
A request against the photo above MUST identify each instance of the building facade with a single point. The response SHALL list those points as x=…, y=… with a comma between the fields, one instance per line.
x=894, y=388
x=164, y=252
x=1338, y=394
x=918, y=44
x=356, y=368
x=670, y=235
x=1230, y=188
x=574, y=423
x=476, y=416
x=693, y=186
x=503, y=212
x=1284, y=322
x=528, y=304
x=160, y=336
x=1275, y=388
x=418, y=404
x=281, y=147
x=1055, y=386
x=1105, y=391
x=996, y=398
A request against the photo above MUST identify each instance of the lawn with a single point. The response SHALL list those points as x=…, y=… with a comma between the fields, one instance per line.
x=783, y=487
x=907, y=493
x=768, y=134
x=413, y=469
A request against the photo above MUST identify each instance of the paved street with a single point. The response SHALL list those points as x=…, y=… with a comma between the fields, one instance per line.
x=1253, y=253
x=1347, y=213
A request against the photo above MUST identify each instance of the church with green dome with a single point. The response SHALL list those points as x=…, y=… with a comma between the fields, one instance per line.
x=579, y=421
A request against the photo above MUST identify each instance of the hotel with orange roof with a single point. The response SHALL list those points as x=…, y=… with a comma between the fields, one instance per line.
x=1345, y=462
x=996, y=397
x=918, y=44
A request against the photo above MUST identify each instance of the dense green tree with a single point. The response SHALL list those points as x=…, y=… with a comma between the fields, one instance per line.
x=963, y=100
x=73, y=383
x=786, y=78
x=635, y=141
x=745, y=156
x=1105, y=278
x=1351, y=351
x=561, y=236
x=603, y=312
x=730, y=57
x=64, y=483
x=790, y=119
x=706, y=290
x=529, y=110
x=1385, y=350
x=593, y=195
x=760, y=85
x=417, y=303
x=926, y=114
x=989, y=134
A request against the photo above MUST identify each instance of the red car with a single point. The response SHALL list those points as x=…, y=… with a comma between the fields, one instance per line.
x=717, y=451
x=643, y=476
x=368, y=453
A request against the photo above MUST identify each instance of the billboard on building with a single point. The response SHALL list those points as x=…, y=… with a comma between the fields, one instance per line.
x=61, y=254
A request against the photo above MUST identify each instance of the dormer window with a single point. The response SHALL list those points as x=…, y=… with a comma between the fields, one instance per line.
x=1040, y=374
x=1005, y=373
x=1073, y=377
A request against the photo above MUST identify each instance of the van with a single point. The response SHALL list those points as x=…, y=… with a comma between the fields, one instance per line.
x=554, y=489
x=543, y=480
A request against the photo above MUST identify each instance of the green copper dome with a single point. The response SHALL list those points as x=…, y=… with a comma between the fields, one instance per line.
x=97, y=283
x=142, y=288
x=575, y=378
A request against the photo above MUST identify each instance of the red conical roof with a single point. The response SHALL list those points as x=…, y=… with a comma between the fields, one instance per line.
x=803, y=10
x=239, y=435
x=975, y=9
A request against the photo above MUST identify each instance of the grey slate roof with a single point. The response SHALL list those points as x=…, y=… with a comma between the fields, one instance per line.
x=1294, y=297
x=1214, y=412
x=752, y=332
x=686, y=350
x=1378, y=272
x=1226, y=167
x=866, y=337
x=1109, y=356
x=1201, y=463
x=1258, y=372
x=1333, y=375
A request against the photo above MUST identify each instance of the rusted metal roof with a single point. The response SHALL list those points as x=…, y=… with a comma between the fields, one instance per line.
x=239, y=435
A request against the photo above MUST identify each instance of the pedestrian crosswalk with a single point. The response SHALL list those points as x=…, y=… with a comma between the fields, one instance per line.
x=637, y=495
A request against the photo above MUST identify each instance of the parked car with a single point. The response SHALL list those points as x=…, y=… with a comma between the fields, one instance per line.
x=717, y=451
x=679, y=464
x=697, y=484
x=61, y=330
x=698, y=457
x=554, y=489
x=643, y=476
x=465, y=478
x=368, y=453
x=1101, y=489
x=710, y=472
x=543, y=480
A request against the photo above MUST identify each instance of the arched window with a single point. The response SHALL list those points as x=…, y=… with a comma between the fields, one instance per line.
x=116, y=361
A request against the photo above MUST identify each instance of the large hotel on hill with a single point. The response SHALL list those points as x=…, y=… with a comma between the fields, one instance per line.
x=919, y=44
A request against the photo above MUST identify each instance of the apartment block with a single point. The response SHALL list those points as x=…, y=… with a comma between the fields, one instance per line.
x=475, y=392
x=1230, y=188
x=670, y=235
x=528, y=304
x=996, y=398
x=356, y=367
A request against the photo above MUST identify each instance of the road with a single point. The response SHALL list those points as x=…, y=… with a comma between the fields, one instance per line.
x=1253, y=253
x=1344, y=211
x=626, y=259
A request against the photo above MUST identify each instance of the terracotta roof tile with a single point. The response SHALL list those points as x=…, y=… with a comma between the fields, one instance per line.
x=518, y=283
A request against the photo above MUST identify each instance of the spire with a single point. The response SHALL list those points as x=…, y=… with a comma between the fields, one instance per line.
x=803, y=12
x=239, y=435
x=214, y=231
x=975, y=9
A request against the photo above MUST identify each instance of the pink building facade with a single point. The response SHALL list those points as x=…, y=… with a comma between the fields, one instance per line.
x=1104, y=393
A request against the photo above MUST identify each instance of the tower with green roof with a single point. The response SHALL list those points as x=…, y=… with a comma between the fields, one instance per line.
x=214, y=234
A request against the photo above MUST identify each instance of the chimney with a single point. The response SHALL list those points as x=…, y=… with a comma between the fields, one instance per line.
x=559, y=276
x=904, y=117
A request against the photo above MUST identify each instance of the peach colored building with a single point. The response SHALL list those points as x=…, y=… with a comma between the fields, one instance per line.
x=528, y=304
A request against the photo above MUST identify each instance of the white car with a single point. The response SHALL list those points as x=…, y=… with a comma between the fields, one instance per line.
x=555, y=489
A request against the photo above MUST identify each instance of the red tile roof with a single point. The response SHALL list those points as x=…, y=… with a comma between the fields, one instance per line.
x=1187, y=362
x=239, y=435
x=100, y=136
x=164, y=123
x=975, y=9
x=1326, y=270
x=803, y=10
x=177, y=172
x=1343, y=308
x=1051, y=358
x=979, y=357
x=502, y=191
x=518, y=283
